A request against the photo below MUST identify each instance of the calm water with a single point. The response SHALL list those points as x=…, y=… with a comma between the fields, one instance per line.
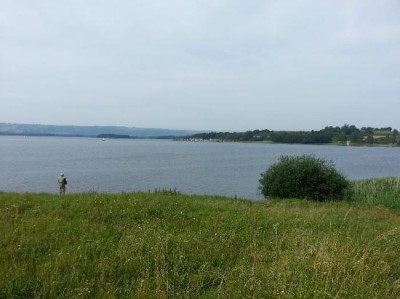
x=33, y=164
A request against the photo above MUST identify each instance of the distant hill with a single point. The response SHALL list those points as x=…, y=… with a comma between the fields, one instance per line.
x=88, y=131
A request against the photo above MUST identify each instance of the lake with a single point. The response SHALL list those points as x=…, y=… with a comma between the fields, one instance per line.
x=32, y=164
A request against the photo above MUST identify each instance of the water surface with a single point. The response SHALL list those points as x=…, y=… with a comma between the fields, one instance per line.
x=32, y=164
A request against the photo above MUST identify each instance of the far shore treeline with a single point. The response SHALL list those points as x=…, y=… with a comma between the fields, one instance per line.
x=344, y=135
x=347, y=134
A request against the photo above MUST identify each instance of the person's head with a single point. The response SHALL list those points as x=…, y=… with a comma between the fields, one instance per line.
x=61, y=174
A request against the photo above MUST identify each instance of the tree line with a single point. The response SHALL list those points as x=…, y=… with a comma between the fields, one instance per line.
x=346, y=134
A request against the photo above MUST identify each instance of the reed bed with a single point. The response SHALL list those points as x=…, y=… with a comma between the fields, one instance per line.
x=382, y=191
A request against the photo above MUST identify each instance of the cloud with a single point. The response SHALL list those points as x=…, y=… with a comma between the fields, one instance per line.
x=199, y=64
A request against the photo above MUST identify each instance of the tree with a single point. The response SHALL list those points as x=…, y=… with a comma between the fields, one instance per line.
x=306, y=177
x=356, y=137
x=341, y=137
x=395, y=137
x=370, y=138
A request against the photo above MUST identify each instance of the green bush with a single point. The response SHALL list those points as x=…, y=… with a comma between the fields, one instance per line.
x=305, y=177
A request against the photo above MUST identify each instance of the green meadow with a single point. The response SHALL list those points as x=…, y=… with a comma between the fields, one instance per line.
x=171, y=245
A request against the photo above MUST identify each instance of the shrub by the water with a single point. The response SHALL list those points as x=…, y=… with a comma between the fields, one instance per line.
x=305, y=177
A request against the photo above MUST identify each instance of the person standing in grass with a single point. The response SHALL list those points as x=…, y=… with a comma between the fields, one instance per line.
x=62, y=181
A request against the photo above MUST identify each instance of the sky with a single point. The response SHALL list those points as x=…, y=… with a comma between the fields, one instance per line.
x=214, y=65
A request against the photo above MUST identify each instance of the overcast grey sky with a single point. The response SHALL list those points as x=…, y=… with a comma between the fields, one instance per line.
x=224, y=65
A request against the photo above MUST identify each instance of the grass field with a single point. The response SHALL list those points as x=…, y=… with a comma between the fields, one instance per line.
x=167, y=245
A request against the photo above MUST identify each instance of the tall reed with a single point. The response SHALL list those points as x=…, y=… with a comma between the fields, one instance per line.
x=377, y=191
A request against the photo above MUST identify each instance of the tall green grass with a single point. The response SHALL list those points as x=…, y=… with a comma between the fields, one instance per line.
x=169, y=245
x=384, y=191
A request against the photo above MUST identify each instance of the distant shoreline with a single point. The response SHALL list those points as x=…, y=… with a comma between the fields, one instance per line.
x=89, y=131
x=174, y=138
x=105, y=136
x=345, y=135
x=290, y=143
